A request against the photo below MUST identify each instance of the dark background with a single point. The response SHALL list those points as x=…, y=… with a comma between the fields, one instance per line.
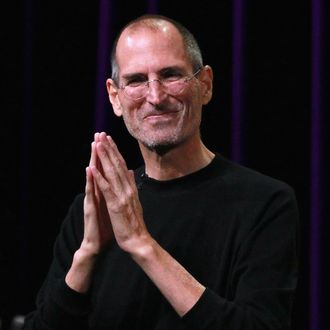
x=50, y=69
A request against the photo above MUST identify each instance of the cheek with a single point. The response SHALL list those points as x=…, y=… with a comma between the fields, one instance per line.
x=194, y=94
x=130, y=117
x=194, y=102
x=128, y=108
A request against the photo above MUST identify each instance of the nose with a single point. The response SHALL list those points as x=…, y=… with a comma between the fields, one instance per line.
x=156, y=92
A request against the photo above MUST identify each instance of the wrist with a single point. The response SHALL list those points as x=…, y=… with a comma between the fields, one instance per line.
x=145, y=251
x=88, y=249
x=80, y=273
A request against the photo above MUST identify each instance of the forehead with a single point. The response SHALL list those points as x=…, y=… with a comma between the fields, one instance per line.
x=145, y=48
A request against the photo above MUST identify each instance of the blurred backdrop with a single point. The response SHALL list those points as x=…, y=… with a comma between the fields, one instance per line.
x=269, y=112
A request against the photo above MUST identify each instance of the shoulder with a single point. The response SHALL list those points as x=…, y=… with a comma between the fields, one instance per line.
x=258, y=200
x=248, y=180
x=250, y=191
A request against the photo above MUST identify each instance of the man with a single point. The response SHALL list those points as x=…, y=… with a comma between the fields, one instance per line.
x=187, y=241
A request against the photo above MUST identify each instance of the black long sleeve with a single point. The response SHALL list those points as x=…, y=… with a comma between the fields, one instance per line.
x=235, y=230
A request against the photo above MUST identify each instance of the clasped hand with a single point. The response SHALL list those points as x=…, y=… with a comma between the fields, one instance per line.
x=112, y=209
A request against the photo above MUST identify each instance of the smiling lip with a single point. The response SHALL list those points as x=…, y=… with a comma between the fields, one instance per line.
x=160, y=115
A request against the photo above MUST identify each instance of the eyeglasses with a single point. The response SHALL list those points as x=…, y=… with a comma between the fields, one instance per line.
x=172, y=85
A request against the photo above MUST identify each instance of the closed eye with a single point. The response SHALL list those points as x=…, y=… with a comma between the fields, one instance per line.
x=135, y=80
x=171, y=75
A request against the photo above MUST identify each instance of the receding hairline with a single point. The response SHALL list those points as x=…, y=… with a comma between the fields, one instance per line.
x=150, y=25
x=150, y=21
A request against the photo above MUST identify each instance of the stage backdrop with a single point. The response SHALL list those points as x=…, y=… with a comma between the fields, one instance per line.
x=269, y=112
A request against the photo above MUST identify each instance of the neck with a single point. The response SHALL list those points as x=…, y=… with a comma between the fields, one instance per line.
x=176, y=162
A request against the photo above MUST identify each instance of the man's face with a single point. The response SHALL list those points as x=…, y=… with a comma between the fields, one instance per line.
x=158, y=119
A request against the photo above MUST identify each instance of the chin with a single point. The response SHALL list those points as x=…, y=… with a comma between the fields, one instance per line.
x=162, y=146
x=161, y=149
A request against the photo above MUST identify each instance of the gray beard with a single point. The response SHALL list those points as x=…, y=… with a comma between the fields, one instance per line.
x=161, y=148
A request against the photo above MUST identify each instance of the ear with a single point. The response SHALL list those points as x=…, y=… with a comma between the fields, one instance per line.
x=206, y=77
x=113, y=97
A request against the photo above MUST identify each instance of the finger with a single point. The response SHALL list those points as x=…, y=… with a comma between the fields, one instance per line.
x=110, y=172
x=89, y=187
x=132, y=180
x=96, y=136
x=93, y=158
x=116, y=152
x=116, y=159
x=94, y=161
x=102, y=183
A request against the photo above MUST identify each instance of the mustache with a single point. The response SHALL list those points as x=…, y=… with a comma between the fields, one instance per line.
x=160, y=108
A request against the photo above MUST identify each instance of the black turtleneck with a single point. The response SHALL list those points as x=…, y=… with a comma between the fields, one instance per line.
x=233, y=229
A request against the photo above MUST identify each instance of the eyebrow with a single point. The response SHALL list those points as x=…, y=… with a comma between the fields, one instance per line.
x=161, y=72
x=130, y=76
